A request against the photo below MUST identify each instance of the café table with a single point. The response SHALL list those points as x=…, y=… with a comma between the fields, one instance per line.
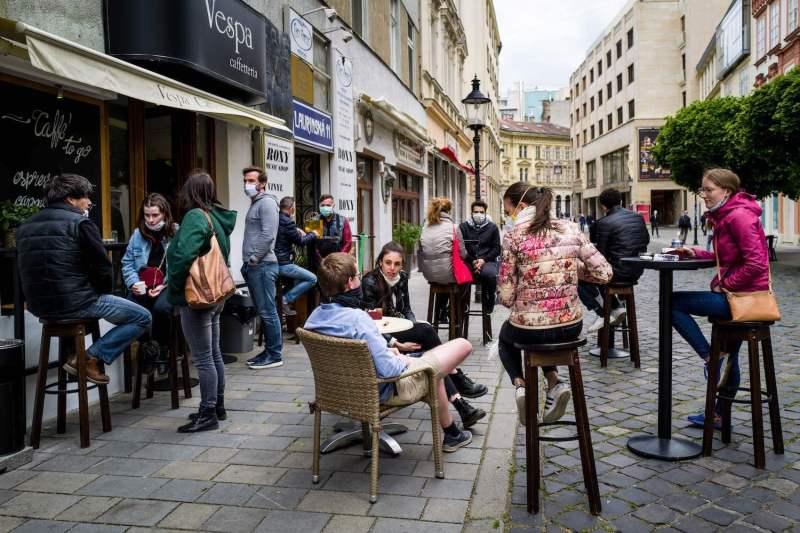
x=348, y=433
x=663, y=446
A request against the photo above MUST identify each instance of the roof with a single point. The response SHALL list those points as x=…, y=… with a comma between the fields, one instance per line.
x=534, y=128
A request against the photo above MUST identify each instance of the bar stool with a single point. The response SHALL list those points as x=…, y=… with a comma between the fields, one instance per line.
x=68, y=331
x=177, y=352
x=534, y=357
x=486, y=318
x=723, y=332
x=629, y=328
x=453, y=293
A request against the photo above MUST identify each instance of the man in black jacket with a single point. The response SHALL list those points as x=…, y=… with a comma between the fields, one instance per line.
x=684, y=224
x=288, y=236
x=482, y=241
x=66, y=273
x=621, y=233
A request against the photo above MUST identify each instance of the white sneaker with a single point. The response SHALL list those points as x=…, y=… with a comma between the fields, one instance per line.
x=617, y=316
x=520, y=397
x=555, y=403
x=597, y=325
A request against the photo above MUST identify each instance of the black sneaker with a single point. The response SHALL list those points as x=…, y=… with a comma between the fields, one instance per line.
x=469, y=414
x=466, y=387
x=454, y=442
x=266, y=361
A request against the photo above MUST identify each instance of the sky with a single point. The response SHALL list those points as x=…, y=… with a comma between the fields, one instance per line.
x=544, y=41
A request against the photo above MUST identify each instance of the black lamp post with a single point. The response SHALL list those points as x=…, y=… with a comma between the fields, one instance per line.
x=476, y=110
x=695, y=220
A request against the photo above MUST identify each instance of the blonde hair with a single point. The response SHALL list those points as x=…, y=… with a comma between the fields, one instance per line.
x=334, y=272
x=435, y=208
x=724, y=179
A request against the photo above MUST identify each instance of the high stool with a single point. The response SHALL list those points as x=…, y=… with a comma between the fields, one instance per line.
x=177, y=352
x=723, y=332
x=486, y=318
x=629, y=328
x=68, y=331
x=453, y=292
x=534, y=357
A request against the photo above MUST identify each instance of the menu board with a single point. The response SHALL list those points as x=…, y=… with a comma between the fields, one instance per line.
x=44, y=136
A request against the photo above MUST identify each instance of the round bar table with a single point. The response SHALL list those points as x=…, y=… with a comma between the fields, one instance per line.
x=664, y=446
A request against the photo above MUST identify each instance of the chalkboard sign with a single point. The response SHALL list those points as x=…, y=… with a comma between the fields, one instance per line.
x=43, y=136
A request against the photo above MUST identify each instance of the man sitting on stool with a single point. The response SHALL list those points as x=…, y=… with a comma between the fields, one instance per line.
x=288, y=235
x=621, y=233
x=482, y=241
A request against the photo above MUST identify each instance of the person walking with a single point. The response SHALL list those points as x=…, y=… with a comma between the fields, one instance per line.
x=204, y=216
x=260, y=264
x=290, y=235
x=542, y=260
x=684, y=225
x=65, y=273
x=654, y=223
x=482, y=242
x=582, y=222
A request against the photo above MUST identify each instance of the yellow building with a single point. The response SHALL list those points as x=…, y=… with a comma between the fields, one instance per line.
x=540, y=154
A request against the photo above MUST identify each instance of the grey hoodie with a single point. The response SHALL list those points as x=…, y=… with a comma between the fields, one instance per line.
x=260, y=230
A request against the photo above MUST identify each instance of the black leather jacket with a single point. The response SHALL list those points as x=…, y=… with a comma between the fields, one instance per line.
x=481, y=242
x=621, y=233
x=374, y=295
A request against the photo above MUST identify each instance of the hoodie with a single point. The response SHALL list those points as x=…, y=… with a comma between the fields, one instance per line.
x=740, y=244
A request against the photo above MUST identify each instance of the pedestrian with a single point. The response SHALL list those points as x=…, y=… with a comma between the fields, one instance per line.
x=684, y=225
x=66, y=274
x=204, y=216
x=542, y=260
x=144, y=270
x=703, y=224
x=736, y=218
x=709, y=235
x=654, y=223
x=260, y=264
x=289, y=236
x=482, y=242
x=620, y=233
x=582, y=221
x=335, y=228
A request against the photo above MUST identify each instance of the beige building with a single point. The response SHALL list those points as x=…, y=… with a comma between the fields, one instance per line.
x=540, y=154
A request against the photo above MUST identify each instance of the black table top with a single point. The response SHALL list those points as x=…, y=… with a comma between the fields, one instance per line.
x=683, y=264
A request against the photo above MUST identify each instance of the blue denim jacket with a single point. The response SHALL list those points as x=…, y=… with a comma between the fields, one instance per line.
x=337, y=321
x=136, y=255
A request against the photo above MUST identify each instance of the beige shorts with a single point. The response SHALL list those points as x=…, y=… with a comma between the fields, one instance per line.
x=412, y=389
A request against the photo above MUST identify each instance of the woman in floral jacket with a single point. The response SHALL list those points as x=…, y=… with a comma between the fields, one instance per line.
x=543, y=258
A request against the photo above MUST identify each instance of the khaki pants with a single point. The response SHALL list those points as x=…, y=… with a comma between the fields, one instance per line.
x=412, y=389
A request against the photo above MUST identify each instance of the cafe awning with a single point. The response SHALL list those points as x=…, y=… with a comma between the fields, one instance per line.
x=451, y=155
x=70, y=60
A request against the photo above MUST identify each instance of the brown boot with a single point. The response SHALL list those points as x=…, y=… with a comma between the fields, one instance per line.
x=93, y=372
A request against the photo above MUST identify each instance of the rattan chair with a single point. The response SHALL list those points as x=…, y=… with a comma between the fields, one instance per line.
x=345, y=383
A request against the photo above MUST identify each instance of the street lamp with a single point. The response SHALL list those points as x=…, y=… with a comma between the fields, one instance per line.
x=695, y=219
x=476, y=108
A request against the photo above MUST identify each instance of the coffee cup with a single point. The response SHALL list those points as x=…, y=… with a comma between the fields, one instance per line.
x=375, y=314
x=139, y=287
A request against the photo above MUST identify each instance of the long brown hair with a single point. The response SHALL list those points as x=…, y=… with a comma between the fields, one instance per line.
x=435, y=208
x=156, y=200
x=539, y=197
x=385, y=292
x=197, y=192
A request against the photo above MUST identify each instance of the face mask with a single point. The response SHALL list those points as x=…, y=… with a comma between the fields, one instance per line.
x=155, y=227
x=86, y=213
x=479, y=218
x=250, y=190
x=325, y=210
x=391, y=281
x=718, y=204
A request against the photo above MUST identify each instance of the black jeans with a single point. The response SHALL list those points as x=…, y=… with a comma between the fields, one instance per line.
x=510, y=334
x=488, y=280
x=161, y=310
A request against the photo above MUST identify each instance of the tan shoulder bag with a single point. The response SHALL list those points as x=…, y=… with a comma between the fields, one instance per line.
x=209, y=281
x=758, y=306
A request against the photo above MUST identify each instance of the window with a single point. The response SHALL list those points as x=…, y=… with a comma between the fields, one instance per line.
x=615, y=166
x=578, y=114
x=322, y=78
x=591, y=103
x=360, y=18
x=523, y=151
x=683, y=66
x=761, y=36
x=411, y=55
x=609, y=121
x=591, y=129
x=792, y=15
x=584, y=109
x=591, y=175
x=774, y=24
x=538, y=152
x=630, y=38
x=619, y=82
x=600, y=127
x=630, y=73
x=578, y=140
x=394, y=34
x=585, y=138
x=608, y=91
x=608, y=59
x=619, y=49
x=599, y=68
x=631, y=110
x=620, y=118
x=591, y=75
x=584, y=83
x=577, y=90
x=558, y=153
x=600, y=97
x=523, y=174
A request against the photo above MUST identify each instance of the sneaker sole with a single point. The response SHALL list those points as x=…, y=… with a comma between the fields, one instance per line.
x=264, y=366
x=453, y=447
x=520, y=401
x=558, y=409
x=72, y=371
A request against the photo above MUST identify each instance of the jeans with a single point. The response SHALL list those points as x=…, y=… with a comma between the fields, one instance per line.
x=684, y=234
x=161, y=310
x=654, y=229
x=511, y=357
x=261, y=280
x=303, y=280
x=711, y=304
x=131, y=321
x=201, y=330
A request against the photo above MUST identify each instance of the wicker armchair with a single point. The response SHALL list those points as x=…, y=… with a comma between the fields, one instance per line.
x=345, y=383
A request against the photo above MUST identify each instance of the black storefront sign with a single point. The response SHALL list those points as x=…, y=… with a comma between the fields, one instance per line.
x=217, y=45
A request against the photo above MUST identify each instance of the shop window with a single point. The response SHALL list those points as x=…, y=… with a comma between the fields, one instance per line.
x=124, y=210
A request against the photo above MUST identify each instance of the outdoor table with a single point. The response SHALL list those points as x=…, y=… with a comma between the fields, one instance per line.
x=663, y=446
x=349, y=433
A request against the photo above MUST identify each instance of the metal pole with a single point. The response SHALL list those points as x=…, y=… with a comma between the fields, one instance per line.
x=476, y=140
x=695, y=220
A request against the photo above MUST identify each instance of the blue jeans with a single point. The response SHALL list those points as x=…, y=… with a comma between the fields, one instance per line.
x=261, y=280
x=303, y=280
x=201, y=330
x=131, y=321
x=711, y=304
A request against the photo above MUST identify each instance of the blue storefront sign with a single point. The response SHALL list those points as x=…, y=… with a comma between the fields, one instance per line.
x=312, y=126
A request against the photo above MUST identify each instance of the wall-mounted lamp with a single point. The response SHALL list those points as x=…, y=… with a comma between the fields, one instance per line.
x=347, y=35
x=330, y=13
x=387, y=181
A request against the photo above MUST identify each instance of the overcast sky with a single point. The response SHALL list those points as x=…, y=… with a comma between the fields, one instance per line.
x=544, y=41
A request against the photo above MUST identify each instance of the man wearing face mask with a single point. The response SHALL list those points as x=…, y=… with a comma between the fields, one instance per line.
x=260, y=265
x=482, y=241
x=288, y=236
x=336, y=234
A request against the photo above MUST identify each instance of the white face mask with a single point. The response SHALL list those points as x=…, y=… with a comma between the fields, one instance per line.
x=479, y=218
x=250, y=190
x=718, y=204
x=155, y=227
x=391, y=281
x=86, y=213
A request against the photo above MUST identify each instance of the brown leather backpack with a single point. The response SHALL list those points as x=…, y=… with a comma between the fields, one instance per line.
x=209, y=281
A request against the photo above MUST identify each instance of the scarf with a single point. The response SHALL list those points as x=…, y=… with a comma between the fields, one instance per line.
x=351, y=298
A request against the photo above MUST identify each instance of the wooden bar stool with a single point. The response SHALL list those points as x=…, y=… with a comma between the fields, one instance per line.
x=178, y=352
x=751, y=333
x=534, y=357
x=486, y=318
x=453, y=292
x=71, y=334
x=629, y=328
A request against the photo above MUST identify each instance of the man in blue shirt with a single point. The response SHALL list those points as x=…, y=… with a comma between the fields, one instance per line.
x=342, y=317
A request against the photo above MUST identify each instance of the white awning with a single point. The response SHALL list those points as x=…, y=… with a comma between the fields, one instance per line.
x=67, y=59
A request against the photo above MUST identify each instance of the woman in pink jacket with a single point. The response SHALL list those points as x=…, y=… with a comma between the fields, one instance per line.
x=741, y=247
x=542, y=260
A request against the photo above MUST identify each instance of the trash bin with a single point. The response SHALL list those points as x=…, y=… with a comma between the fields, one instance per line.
x=12, y=396
x=237, y=324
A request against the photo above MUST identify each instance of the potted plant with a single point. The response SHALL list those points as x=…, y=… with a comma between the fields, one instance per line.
x=407, y=235
x=11, y=216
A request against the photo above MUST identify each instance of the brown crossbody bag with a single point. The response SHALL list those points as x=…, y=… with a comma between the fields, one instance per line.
x=209, y=281
x=757, y=306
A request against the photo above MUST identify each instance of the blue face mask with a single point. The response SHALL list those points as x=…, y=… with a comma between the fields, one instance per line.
x=325, y=210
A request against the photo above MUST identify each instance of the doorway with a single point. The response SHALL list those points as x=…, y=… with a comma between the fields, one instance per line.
x=364, y=169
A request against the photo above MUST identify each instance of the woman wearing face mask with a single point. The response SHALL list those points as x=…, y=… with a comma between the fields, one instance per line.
x=144, y=265
x=386, y=288
x=741, y=248
x=542, y=260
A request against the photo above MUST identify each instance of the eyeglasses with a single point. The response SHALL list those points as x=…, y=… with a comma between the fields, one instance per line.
x=703, y=191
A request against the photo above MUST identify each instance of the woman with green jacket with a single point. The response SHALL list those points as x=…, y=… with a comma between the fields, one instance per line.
x=204, y=217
